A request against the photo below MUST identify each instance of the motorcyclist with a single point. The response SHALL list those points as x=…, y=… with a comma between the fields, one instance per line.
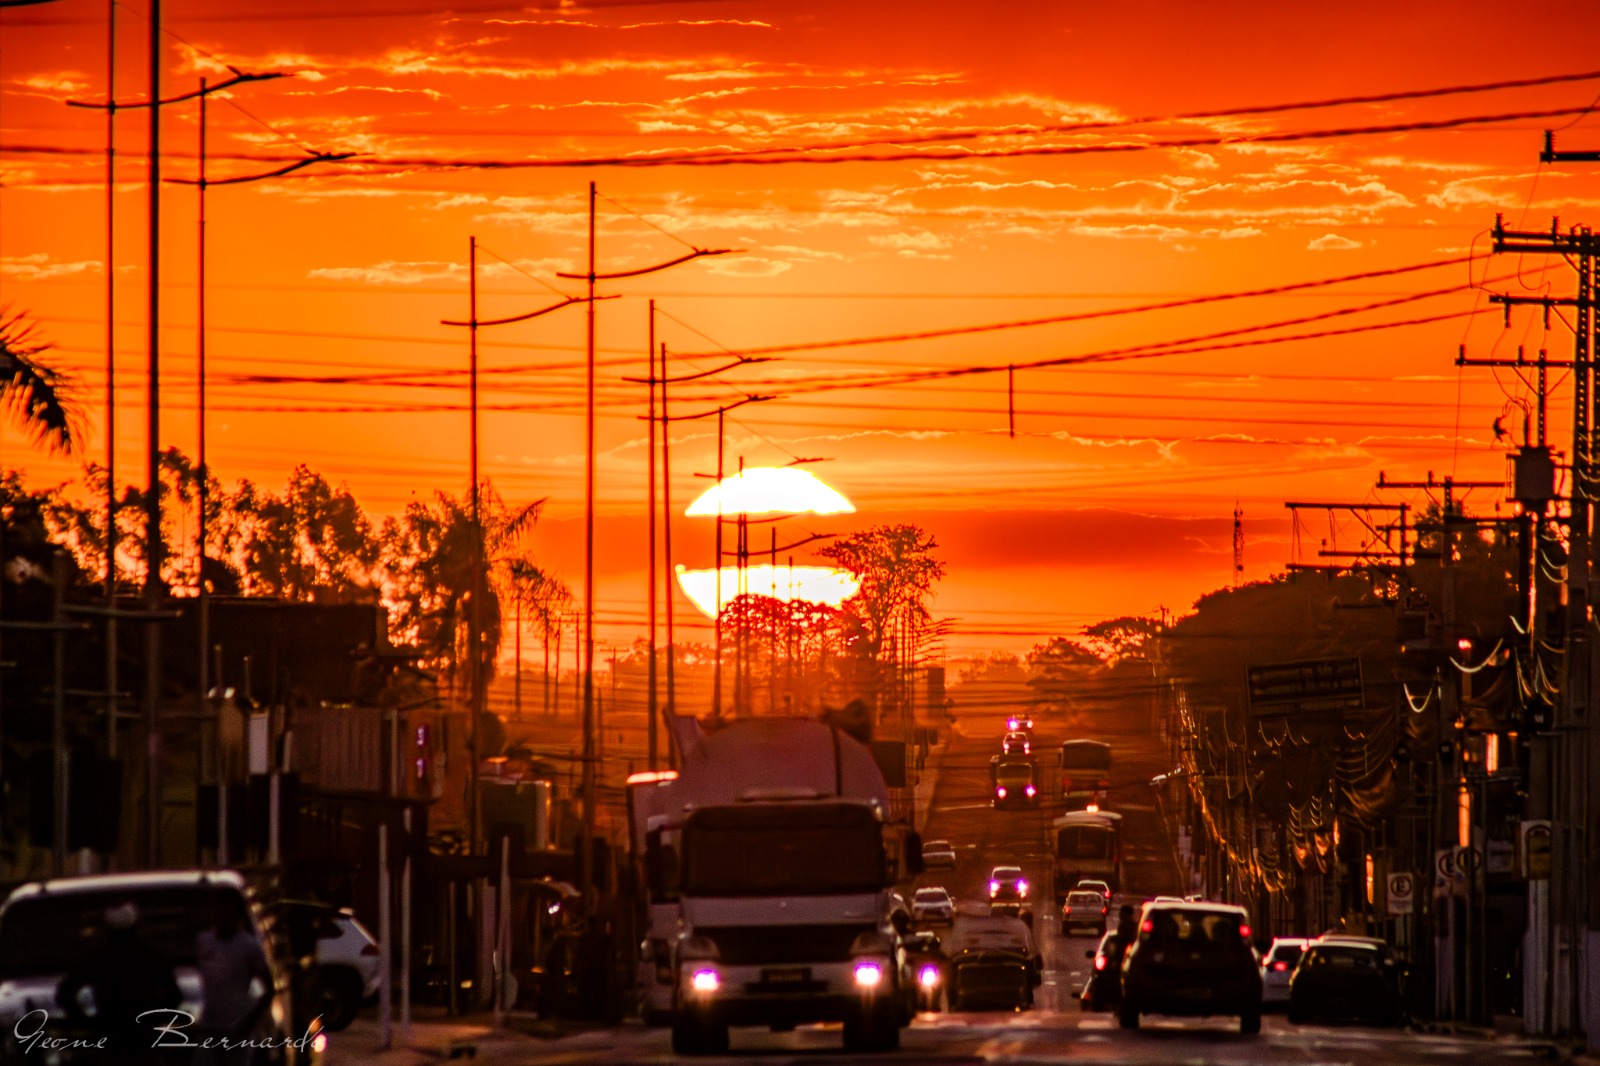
x=118, y=981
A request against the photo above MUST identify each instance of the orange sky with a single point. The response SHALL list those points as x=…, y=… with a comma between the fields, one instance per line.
x=1114, y=496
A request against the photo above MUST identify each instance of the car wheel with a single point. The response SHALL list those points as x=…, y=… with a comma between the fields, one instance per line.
x=337, y=997
x=1250, y=1022
x=1128, y=1015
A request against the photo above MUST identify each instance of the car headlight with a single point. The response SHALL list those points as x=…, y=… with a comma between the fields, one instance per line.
x=1000, y=791
x=705, y=981
x=1031, y=791
x=994, y=888
x=928, y=976
x=1022, y=887
x=869, y=974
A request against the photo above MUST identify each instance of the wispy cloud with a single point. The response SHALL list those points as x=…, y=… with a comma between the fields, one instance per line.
x=1332, y=242
x=40, y=267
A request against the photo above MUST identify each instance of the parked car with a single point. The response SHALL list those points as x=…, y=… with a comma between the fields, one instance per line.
x=1192, y=959
x=933, y=904
x=938, y=855
x=47, y=927
x=1277, y=966
x=1103, y=989
x=348, y=960
x=1083, y=908
x=1346, y=977
x=993, y=965
x=1015, y=744
x=1019, y=723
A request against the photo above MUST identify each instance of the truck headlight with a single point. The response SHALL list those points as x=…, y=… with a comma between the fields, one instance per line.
x=705, y=982
x=869, y=974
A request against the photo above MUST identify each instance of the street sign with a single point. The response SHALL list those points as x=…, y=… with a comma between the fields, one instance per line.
x=1402, y=894
x=1309, y=685
x=1536, y=850
x=1448, y=877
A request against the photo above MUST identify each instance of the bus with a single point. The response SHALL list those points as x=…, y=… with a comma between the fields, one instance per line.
x=1086, y=844
x=1085, y=764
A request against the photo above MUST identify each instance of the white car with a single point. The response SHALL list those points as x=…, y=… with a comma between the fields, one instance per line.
x=1084, y=907
x=1094, y=886
x=1277, y=966
x=938, y=855
x=1015, y=744
x=933, y=904
x=349, y=961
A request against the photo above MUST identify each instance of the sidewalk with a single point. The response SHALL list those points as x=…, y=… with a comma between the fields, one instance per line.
x=437, y=1037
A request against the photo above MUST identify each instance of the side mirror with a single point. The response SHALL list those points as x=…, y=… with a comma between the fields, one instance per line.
x=913, y=853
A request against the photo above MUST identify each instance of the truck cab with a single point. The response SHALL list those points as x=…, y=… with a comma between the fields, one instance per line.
x=788, y=917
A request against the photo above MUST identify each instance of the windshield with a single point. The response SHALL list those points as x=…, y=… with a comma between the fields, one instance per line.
x=782, y=852
x=661, y=867
x=1085, y=756
x=1014, y=773
x=1086, y=899
x=1196, y=929
x=1084, y=842
x=48, y=934
x=931, y=895
x=1344, y=958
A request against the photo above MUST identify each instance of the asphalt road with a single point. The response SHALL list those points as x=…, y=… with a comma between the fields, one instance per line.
x=1056, y=1030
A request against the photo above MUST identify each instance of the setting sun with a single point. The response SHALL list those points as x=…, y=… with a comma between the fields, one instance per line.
x=811, y=584
x=770, y=490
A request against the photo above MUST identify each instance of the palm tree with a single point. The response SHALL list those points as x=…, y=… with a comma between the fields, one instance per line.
x=39, y=396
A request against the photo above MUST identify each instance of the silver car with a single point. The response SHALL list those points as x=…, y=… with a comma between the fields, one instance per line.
x=933, y=904
x=1084, y=907
x=1277, y=966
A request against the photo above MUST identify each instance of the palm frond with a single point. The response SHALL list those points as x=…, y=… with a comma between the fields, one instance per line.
x=38, y=396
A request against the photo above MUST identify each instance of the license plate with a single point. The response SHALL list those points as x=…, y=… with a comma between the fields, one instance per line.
x=796, y=976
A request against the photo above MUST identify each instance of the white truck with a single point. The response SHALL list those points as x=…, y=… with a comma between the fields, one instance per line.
x=776, y=863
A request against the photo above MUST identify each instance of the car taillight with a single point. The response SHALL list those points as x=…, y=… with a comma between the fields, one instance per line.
x=1093, y=808
x=1147, y=926
x=1244, y=931
x=1280, y=966
x=1099, y=962
x=1104, y=910
x=371, y=949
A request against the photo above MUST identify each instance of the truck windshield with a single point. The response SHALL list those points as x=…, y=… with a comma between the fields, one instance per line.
x=782, y=851
x=1014, y=774
x=1085, y=755
x=1084, y=842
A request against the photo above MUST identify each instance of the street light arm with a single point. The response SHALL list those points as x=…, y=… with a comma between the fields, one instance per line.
x=320, y=157
x=568, y=302
x=698, y=253
x=696, y=377
x=239, y=78
x=720, y=410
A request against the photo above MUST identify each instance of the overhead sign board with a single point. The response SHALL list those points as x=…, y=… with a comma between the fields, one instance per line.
x=1309, y=685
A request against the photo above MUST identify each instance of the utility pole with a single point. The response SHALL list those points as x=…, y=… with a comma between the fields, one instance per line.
x=652, y=710
x=663, y=380
x=153, y=545
x=1561, y=775
x=591, y=276
x=111, y=380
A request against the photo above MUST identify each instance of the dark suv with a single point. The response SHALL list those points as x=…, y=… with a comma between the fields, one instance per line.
x=1192, y=959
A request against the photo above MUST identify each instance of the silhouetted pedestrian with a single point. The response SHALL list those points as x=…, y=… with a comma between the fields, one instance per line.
x=235, y=984
x=113, y=985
